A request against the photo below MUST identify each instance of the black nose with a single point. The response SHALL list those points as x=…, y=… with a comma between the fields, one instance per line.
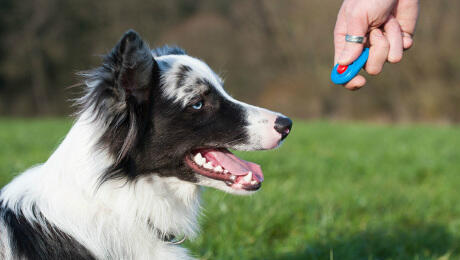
x=283, y=126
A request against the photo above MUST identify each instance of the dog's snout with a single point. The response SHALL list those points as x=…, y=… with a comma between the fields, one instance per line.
x=283, y=126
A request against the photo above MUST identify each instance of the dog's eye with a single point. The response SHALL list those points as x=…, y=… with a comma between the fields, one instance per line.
x=198, y=105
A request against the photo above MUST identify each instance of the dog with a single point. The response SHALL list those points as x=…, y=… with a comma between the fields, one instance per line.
x=153, y=127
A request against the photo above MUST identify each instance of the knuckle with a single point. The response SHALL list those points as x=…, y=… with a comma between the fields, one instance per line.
x=381, y=40
x=337, y=30
x=355, y=13
x=384, y=45
x=378, y=37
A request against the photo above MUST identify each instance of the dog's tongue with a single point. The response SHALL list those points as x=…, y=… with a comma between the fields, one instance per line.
x=231, y=163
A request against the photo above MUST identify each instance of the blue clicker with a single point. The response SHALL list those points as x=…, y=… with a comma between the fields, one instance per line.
x=346, y=73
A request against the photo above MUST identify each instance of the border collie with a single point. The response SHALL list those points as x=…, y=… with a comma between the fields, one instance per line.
x=154, y=126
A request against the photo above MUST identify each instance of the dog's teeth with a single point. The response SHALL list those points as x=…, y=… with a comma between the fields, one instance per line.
x=198, y=156
x=233, y=177
x=208, y=165
x=253, y=182
x=202, y=161
x=248, y=177
x=225, y=171
x=198, y=159
x=218, y=168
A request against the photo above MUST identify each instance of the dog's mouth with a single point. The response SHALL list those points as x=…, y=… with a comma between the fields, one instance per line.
x=220, y=164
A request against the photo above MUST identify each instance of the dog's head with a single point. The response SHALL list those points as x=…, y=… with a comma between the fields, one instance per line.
x=167, y=113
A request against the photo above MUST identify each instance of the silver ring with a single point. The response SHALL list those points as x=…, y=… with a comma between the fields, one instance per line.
x=354, y=39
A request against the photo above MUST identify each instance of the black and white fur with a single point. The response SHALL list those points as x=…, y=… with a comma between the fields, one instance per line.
x=118, y=180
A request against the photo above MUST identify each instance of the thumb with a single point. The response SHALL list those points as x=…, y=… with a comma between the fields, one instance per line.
x=357, y=25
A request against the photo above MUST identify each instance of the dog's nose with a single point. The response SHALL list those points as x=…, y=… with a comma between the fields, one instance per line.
x=283, y=126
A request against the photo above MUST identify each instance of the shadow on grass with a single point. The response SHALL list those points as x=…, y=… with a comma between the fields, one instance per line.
x=406, y=242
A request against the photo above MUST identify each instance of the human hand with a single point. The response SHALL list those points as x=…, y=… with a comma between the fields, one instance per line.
x=390, y=24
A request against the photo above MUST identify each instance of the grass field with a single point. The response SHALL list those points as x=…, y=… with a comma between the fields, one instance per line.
x=333, y=191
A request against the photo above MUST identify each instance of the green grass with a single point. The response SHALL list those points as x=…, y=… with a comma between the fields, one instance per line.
x=333, y=191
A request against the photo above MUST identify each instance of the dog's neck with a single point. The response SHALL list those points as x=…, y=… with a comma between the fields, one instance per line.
x=134, y=211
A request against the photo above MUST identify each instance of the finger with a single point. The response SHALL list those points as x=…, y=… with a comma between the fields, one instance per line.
x=395, y=38
x=357, y=25
x=340, y=31
x=407, y=13
x=378, y=52
x=408, y=41
x=356, y=83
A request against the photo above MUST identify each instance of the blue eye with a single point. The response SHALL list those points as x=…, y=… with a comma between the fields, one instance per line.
x=198, y=105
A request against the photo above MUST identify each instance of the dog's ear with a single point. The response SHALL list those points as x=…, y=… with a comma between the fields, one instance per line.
x=135, y=68
x=119, y=94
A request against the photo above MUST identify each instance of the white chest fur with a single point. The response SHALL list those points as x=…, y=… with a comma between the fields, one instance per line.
x=114, y=221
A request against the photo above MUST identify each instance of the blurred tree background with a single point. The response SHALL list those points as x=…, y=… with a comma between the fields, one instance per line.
x=272, y=53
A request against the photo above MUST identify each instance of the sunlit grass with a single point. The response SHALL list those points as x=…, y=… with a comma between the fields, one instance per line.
x=334, y=190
